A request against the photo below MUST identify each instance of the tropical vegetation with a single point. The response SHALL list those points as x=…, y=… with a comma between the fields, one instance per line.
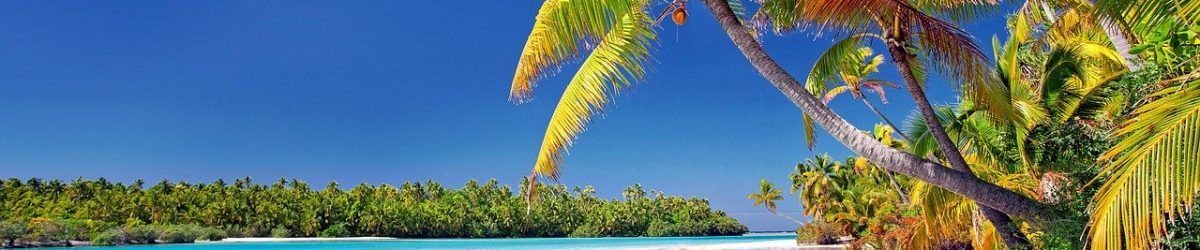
x=48, y=212
x=1080, y=131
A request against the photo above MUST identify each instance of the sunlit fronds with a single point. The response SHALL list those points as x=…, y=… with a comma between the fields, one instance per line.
x=825, y=70
x=617, y=61
x=958, y=10
x=563, y=31
x=834, y=92
x=921, y=138
x=1153, y=174
x=953, y=53
x=1146, y=14
x=1072, y=76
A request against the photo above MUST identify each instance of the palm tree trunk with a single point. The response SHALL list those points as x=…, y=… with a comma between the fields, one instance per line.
x=885, y=119
x=1115, y=34
x=900, y=57
x=891, y=177
x=788, y=217
x=1047, y=11
x=963, y=184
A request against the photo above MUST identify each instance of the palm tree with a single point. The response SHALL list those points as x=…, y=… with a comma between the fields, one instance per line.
x=616, y=57
x=854, y=80
x=766, y=196
x=818, y=180
x=904, y=29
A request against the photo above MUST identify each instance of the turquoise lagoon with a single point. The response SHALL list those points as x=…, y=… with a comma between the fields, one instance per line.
x=499, y=244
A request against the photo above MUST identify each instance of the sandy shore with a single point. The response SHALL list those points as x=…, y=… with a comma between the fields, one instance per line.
x=763, y=245
x=235, y=240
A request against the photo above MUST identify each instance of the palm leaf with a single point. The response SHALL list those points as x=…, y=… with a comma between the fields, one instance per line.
x=824, y=71
x=1144, y=15
x=616, y=63
x=1153, y=174
x=834, y=92
x=561, y=32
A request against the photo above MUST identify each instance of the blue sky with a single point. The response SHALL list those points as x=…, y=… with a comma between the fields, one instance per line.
x=384, y=92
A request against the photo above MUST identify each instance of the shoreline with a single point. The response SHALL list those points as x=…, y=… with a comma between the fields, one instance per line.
x=295, y=239
x=766, y=244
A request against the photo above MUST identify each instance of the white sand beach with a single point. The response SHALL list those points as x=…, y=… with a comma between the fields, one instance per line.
x=268, y=239
x=759, y=245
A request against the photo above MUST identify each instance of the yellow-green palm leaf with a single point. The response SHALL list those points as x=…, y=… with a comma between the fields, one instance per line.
x=1154, y=175
x=615, y=63
x=562, y=31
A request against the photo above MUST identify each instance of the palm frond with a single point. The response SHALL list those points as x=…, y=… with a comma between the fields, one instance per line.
x=810, y=132
x=958, y=10
x=617, y=61
x=1153, y=174
x=562, y=31
x=1073, y=76
x=1147, y=14
x=834, y=92
x=824, y=71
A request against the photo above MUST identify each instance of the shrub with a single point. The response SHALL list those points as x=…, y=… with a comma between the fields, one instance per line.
x=335, y=231
x=179, y=234
x=659, y=228
x=110, y=237
x=10, y=231
x=585, y=230
x=212, y=234
x=817, y=232
x=280, y=232
x=234, y=231
x=143, y=235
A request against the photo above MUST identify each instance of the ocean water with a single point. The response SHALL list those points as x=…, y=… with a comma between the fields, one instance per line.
x=499, y=244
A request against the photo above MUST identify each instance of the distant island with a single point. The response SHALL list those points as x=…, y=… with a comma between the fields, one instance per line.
x=38, y=212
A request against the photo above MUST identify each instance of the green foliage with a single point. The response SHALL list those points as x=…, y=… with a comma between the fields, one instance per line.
x=10, y=231
x=110, y=237
x=179, y=234
x=143, y=235
x=212, y=234
x=335, y=231
x=411, y=210
x=1184, y=234
x=280, y=232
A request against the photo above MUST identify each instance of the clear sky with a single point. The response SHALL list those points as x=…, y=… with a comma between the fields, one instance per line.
x=384, y=92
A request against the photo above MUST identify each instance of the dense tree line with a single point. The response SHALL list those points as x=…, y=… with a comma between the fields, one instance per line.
x=291, y=208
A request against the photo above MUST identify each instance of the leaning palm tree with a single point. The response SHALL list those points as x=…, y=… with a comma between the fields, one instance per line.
x=766, y=197
x=904, y=28
x=615, y=36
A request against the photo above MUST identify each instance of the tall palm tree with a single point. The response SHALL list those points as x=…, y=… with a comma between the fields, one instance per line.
x=766, y=197
x=854, y=73
x=904, y=29
x=616, y=56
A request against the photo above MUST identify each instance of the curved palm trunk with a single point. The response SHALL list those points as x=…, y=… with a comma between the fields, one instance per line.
x=960, y=183
x=900, y=58
x=891, y=177
x=788, y=217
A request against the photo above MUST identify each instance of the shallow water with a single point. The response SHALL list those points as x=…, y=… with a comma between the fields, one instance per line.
x=523, y=244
